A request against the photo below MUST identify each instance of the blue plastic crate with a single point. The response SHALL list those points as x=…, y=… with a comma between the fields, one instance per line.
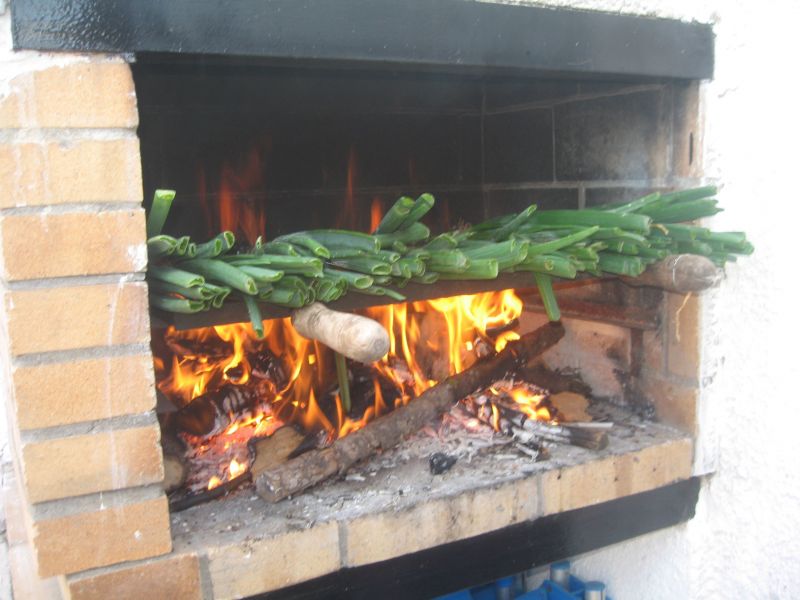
x=504, y=589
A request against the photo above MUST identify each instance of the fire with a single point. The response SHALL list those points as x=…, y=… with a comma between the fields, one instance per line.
x=236, y=212
x=235, y=468
x=428, y=341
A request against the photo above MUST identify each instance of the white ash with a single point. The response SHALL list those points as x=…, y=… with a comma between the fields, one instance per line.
x=397, y=480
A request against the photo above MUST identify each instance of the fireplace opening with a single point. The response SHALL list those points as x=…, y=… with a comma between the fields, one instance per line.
x=264, y=150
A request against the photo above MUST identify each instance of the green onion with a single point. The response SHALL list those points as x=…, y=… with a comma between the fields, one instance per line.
x=427, y=278
x=691, y=194
x=545, y=285
x=552, y=264
x=619, y=264
x=356, y=280
x=507, y=229
x=395, y=216
x=224, y=273
x=282, y=248
x=298, y=265
x=364, y=264
x=304, y=240
x=483, y=268
x=344, y=380
x=448, y=261
x=637, y=204
x=260, y=274
x=444, y=241
x=416, y=232
x=177, y=305
x=684, y=211
x=176, y=276
x=190, y=293
x=421, y=206
x=183, y=245
x=636, y=222
x=255, y=315
x=162, y=201
x=161, y=245
x=381, y=291
x=558, y=244
x=345, y=239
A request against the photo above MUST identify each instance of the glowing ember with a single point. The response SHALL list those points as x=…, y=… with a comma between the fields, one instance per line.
x=236, y=468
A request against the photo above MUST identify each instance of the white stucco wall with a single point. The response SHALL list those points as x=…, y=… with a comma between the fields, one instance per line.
x=745, y=540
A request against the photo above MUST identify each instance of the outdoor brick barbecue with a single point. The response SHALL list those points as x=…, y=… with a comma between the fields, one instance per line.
x=84, y=142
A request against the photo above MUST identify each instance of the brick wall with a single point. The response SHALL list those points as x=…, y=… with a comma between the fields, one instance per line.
x=84, y=491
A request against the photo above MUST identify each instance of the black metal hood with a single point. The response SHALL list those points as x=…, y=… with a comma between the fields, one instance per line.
x=451, y=34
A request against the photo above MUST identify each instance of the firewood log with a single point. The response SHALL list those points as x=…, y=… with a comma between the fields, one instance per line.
x=354, y=336
x=679, y=273
x=298, y=474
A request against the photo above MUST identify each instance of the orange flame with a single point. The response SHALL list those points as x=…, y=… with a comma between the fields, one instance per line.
x=428, y=341
x=375, y=214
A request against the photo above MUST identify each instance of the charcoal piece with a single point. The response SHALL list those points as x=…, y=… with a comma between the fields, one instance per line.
x=441, y=462
x=265, y=365
x=199, y=417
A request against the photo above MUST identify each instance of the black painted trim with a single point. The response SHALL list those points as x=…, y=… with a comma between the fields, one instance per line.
x=484, y=558
x=460, y=34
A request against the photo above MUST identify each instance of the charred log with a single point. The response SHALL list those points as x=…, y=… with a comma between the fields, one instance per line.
x=387, y=431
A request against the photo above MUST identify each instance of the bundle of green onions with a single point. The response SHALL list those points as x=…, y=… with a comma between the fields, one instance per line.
x=296, y=269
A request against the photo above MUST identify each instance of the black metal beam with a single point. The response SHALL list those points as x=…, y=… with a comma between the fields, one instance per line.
x=458, y=34
x=484, y=558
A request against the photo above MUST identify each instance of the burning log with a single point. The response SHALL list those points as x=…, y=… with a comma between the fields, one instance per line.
x=387, y=431
x=680, y=273
x=175, y=468
x=354, y=336
x=269, y=452
x=210, y=413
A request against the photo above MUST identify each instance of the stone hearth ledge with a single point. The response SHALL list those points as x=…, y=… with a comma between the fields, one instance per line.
x=246, y=546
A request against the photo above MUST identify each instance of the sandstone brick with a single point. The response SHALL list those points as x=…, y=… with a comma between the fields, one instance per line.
x=87, y=390
x=655, y=357
x=615, y=476
x=579, y=485
x=381, y=536
x=42, y=320
x=107, y=536
x=675, y=403
x=171, y=577
x=62, y=172
x=267, y=564
x=83, y=464
x=683, y=336
x=59, y=245
x=656, y=466
x=386, y=535
x=91, y=94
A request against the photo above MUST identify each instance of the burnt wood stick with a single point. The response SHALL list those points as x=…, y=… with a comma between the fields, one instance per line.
x=679, y=273
x=298, y=474
x=585, y=438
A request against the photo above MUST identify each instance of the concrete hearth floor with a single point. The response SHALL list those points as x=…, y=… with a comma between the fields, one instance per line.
x=392, y=505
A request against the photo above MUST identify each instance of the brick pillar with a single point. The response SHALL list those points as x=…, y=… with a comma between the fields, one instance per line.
x=74, y=348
